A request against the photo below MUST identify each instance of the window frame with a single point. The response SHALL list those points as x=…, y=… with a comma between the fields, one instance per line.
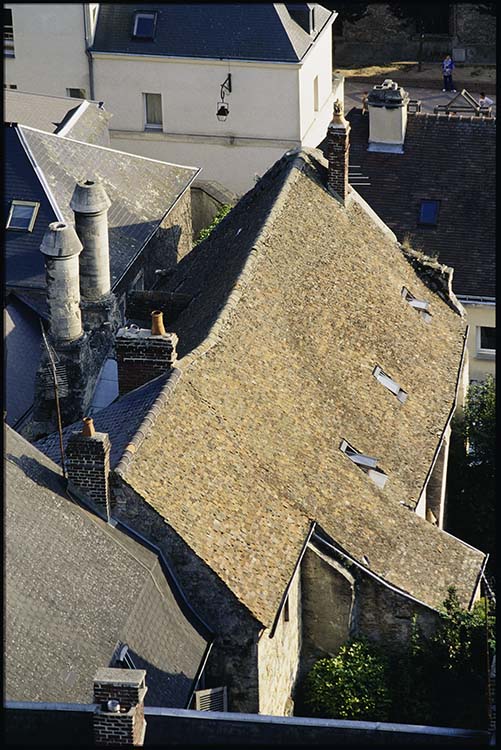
x=152, y=125
x=35, y=205
x=391, y=384
x=368, y=464
x=421, y=305
x=72, y=96
x=8, y=35
x=144, y=14
x=316, y=98
x=125, y=659
x=421, y=221
x=482, y=352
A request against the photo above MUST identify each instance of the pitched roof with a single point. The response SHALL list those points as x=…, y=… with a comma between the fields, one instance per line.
x=446, y=158
x=295, y=300
x=133, y=217
x=84, y=119
x=233, y=31
x=76, y=587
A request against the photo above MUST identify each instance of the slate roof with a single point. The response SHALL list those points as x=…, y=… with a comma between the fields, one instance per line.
x=133, y=217
x=52, y=113
x=125, y=420
x=446, y=158
x=75, y=588
x=296, y=299
x=233, y=31
x=22, y=340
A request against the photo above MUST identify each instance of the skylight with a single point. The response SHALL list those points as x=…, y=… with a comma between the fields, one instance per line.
x=428, y=212
x=22, y=215
x=421, y=305
x=389, y=383
x=368, y=464
x=144, y=25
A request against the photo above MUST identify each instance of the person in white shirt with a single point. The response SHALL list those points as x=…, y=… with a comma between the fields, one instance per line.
x=484, y=100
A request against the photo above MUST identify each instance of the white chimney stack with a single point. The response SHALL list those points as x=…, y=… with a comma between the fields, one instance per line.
x=387, y=105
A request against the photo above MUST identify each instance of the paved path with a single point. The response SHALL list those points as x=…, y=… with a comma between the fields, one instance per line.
x=353, y=93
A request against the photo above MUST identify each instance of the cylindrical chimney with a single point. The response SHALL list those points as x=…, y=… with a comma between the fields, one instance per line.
x=88, y=428
x=61, y=248
x=157, y=323
x=90, y=205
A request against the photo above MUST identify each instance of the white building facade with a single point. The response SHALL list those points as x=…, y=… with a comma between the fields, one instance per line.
x=164, y=89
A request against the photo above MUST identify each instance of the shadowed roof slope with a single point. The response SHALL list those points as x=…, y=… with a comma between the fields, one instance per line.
x=446, y=158
x=135, y=212
x=296, y=300
x=75, y=588
x=233, y=31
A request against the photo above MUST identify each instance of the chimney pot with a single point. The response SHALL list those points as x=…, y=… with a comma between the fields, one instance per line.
x=88, y=428
x=89, y=197
x=60, y=241
x=157, y=323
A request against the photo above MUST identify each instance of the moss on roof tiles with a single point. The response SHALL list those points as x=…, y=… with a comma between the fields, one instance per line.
x=291, y=314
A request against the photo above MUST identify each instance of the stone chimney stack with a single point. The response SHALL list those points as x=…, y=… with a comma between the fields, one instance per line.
x=144, y=354
x=338, y=149
x=61, y=248
x=387, y=105
x=87, y=462
x=119, y=716
x=90, y=205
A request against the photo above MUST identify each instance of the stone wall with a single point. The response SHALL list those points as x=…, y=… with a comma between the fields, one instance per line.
x=207, y=198
x=278, y=657
x=233, y=658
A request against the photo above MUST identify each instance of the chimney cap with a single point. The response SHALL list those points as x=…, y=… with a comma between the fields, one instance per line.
x=60, y=241
x=338, y=120
x=388, y=94
x=89, y=197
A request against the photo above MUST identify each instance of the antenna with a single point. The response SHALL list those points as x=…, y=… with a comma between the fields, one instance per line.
x=56, y=395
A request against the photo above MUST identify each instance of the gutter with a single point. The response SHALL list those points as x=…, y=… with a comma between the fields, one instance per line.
x=286, y=592
x=152, y=233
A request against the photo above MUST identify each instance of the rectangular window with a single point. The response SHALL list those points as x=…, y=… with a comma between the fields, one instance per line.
x=76, y=93
x=286, y=610
x=153, y=111
x=8, y=33
x=22, y=215
x=486, y=342
x=144, y=25
x=428, y=212
x=421, y=305
x=315, y=94
x=389, y=383
x=10, y=86
x=366, y=463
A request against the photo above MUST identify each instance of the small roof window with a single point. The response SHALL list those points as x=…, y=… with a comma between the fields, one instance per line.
x=368, y=464
x=125, y=659
x=421, y=305
x=22, y=215
x=389, y=383
x=144, y=25
x=428, y=212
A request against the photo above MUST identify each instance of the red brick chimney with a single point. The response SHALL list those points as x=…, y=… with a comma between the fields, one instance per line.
x=338, y=148
x=119, y=716
x=143, y=354
x=87, y=463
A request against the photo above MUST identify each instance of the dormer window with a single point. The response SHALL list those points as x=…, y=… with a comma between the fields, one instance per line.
x=368, y=464
x=144, y=25
x=389, y=383
x=22, y=215
x=421, y=305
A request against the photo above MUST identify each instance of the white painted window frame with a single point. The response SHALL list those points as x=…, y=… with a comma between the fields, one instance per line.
x=144, y=14
x=368, y=464
x=389, y=383
x=35, y=205
x=421, y=305
x=481, y=352
x=125, y=658
x=152, y=125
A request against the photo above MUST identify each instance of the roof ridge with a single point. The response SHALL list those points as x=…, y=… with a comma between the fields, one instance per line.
x=148, y=421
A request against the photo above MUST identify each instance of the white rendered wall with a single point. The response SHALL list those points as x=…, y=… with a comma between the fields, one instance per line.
x=479, y=315
x=49, y=48
x=317, y=62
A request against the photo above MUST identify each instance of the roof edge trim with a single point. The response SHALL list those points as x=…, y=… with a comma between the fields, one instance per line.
x=38, y=172
x=73, y=119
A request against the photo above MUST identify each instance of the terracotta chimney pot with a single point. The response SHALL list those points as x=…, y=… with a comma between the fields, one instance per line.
x=157, y=323
x=88, y=429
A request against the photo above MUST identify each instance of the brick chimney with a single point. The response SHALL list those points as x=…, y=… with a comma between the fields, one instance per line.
x=119, y=716
x=87, y=462
x=144, y=354
x=61, y=248
x=90, y=205
x=387, y=105
x=338, y=148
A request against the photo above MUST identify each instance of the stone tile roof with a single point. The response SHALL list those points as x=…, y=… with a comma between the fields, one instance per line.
x=295, y=300
x=78, y=588
x=133, y=217
x=126, y=420
x=446, y=158
x=234, y=31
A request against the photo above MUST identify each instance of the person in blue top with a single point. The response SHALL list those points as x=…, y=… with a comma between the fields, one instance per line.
x=447, y=68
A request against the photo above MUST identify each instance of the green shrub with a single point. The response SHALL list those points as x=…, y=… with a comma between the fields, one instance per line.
x=351, y=685
x=204, y=233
